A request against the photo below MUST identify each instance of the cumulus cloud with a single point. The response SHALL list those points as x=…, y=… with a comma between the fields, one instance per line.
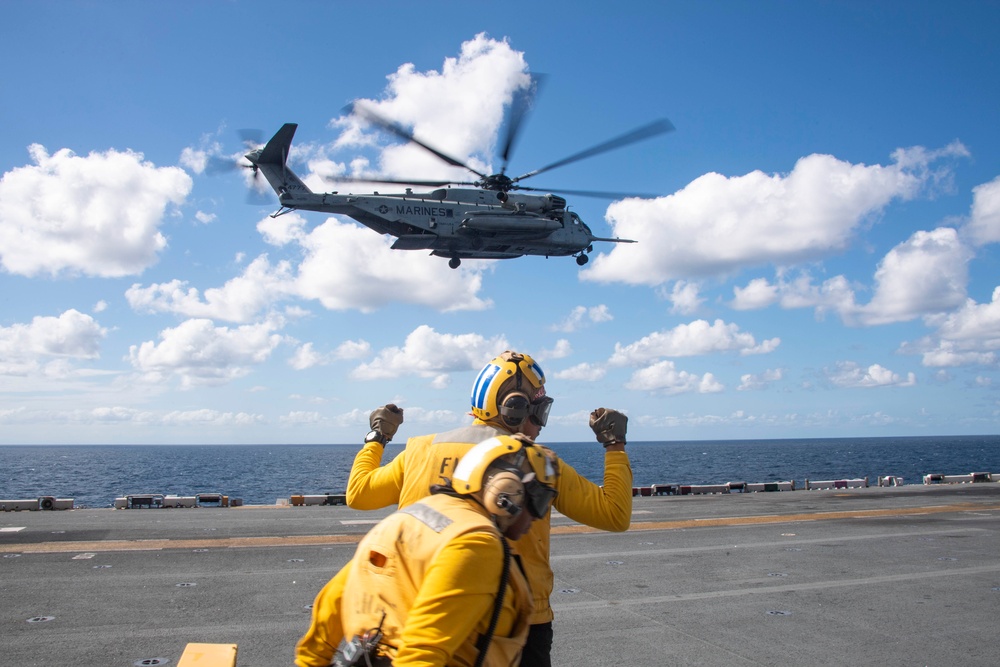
x=686, y=340
x=582, y=316
x=118, y=414
x=199, y=353
x=561, y=350
x=98, y=215
x=239, y=300
x=305, y=356
x=347, y=266
x=751, y=382
x=582, y=372
x=458, y=110
x=850, y=374
x=664, y=377
x=73, y=334
x=968, y=336
x=924, y=275
x=49, y=346
x=984, y=221
x=717, y=224
x=427, y=353
x=684, y=297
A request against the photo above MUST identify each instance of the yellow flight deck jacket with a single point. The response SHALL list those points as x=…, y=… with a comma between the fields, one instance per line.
x=434, y=569
x=429, y=459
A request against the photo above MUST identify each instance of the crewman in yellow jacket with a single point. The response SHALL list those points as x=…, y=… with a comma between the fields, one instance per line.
x=507, y=397
x=434, y=584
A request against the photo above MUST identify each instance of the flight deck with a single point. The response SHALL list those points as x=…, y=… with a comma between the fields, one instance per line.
x=897, y=576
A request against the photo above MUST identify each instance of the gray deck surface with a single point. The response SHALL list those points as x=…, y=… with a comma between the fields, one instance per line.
x=897, y=576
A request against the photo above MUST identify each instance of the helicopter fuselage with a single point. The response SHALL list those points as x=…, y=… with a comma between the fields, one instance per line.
x=463, y=223
x=457, y=223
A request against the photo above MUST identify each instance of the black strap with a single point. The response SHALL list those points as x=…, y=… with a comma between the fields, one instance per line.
x=484, y=640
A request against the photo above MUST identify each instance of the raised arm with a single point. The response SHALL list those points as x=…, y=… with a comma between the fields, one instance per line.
x=372, y=486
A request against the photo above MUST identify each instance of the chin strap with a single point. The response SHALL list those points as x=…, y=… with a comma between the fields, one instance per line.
x=484, y=640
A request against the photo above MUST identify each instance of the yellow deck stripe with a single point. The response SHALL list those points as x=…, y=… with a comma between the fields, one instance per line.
x=311, y=540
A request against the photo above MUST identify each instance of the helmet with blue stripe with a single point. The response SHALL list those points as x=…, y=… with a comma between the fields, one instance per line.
x=509, y=390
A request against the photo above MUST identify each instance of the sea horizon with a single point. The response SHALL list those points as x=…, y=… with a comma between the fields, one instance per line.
x=95, y=474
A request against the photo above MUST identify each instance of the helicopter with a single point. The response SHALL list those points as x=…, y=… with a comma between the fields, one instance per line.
x=489, y=220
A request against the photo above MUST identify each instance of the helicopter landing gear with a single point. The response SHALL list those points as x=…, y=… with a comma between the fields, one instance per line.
x=582, y=259
x=454, y=262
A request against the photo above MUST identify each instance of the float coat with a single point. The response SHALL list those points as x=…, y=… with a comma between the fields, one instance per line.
x=434, y=569
x=428, y=459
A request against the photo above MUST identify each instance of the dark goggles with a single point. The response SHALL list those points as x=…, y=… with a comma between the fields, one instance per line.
x=539, y=496
x=538, y=411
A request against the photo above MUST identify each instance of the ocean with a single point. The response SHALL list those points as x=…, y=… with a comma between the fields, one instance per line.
x=94, y=475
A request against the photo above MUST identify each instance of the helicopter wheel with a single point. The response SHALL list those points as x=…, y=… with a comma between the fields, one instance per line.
x=454, y=262
x=582, y=259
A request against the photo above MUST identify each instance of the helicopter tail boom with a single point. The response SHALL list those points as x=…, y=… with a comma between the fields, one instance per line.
x=271, y=161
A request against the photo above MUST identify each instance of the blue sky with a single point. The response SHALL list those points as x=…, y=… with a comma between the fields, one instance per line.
x=822, y=260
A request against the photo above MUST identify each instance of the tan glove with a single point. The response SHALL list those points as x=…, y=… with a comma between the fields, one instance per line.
x=609, y=426
x=386, y=420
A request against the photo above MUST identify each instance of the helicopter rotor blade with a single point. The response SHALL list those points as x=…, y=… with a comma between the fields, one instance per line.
x=393, y=181
x=521, y=104
x=599, y=194
x=661, y=126
x=403, y=133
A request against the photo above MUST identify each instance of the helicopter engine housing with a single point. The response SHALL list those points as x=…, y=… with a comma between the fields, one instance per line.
x=533, y=203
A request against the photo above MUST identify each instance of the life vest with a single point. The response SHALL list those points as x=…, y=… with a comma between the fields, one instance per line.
x=388, y=571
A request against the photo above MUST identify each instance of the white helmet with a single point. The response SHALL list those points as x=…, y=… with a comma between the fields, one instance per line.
x=509, y=474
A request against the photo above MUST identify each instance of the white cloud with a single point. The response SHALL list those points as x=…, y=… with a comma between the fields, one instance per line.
x=199, y=353
x=72, y=335
x=458, y=109
x=751, y=382
x=717, y=225
x=307, y=357
x=284, y=229
x=758, y=293
x=686, y=340
x=664, y=377
x=239, y=300
x=684, y=297
x=206, y=417
x=561, y=350
x=348, y=266
x=984, y=222
x=426, y=353
x=582, y=316
x=582, y=373
x=925, y=274
x=850, y=374
x=98, y=215
x=968, y=336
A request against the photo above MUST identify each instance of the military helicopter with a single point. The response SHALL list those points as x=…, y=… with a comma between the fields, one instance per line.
x=485, y=221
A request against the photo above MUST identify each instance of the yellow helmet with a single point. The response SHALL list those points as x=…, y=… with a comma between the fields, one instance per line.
x=508, y=474
x=510, y=389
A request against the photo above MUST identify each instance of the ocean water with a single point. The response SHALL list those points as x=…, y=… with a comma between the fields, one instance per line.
x=94, y=475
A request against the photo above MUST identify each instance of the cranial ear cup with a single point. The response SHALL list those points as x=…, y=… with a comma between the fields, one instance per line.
x=514, y=409
x=503, y=495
